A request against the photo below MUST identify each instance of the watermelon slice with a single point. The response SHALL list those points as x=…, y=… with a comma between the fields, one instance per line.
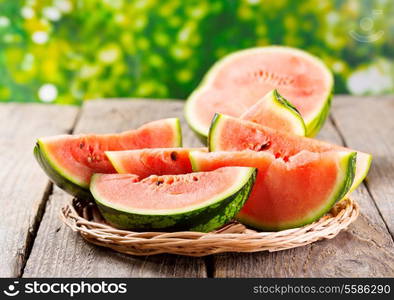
x=197, y=201
x=276, y=112
x=288, y=193
x=241, y=79
x=158, y=161
x=232, y=134
x=70, y=160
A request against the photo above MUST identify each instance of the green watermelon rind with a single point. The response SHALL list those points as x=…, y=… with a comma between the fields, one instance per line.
x=282, y=103
x=57, y=176
x=66, y=181
x=201, y=135
x=347, y=167
x=179, y=141
x=212, y=130
x=313, y=126
x=203, y=218
x=361, y=175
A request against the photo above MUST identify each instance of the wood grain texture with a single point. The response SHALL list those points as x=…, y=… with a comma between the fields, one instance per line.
x=58, y=251
x=364, y=250
x=23, y=184
x=368, y=124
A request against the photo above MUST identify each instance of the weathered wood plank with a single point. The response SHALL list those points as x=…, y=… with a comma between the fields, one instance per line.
x=368, y=124
x=23, y=184
x=60, y=252
x=364, y=250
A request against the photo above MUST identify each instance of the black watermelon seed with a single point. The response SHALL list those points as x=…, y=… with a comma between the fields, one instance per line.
x=265, y=146
x=174, y=155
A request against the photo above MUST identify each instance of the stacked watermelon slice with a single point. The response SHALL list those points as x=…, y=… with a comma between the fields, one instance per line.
x=256, y=110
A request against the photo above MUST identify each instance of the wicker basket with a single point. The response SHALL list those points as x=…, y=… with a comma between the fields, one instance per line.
x=85, y=218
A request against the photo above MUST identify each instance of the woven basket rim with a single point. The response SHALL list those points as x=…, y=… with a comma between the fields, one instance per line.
x=84, y=217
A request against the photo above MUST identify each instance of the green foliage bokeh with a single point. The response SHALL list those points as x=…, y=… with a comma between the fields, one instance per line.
x=85, y=49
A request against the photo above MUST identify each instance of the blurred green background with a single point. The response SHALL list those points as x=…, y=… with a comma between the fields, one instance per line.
x=67, y=51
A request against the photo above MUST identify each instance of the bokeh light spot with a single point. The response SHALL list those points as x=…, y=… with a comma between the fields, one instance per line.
x=27, y=12
x=51, y=13
x=47, y=92
x=4, y=21
x=39, y=37
x=64, y=6
x=109, y=54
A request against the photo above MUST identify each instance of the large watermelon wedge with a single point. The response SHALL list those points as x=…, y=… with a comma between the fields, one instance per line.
x=70, y=160
x=201, y=201
x=240, y=79
x=276, y=112
x=233, y=134
x=157, y=161
x=288, y=193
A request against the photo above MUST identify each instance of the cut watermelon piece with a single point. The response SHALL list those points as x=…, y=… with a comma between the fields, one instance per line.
x=233, y=134
x=158, y=161
x=239, y=80
x=276, y=112
x=197, y=201
x=288, y=193
x=70, y=160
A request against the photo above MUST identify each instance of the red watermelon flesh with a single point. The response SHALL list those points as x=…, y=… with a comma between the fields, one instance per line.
x=288, y=193
x=158, y=161
x=238, y=81
x=232, y=134
x=74, y=158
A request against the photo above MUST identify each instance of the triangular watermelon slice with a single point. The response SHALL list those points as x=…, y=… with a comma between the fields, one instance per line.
x=287, y=193
x=233, y=134
x=201, y=201
x=70, y=160
x=157, y=161
x=276, y=112
x=240, y=79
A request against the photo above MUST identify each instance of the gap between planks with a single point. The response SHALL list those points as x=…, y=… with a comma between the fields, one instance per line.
x=32, y=233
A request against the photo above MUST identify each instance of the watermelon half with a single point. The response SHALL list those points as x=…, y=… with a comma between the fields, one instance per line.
x=70, y=160
x=239, y=80
x=201, y=201
x=288, y=193
x=233, y=134
x=276, y=112
x=157, y=161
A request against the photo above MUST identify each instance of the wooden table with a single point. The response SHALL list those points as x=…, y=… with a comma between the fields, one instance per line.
x=35, y=243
